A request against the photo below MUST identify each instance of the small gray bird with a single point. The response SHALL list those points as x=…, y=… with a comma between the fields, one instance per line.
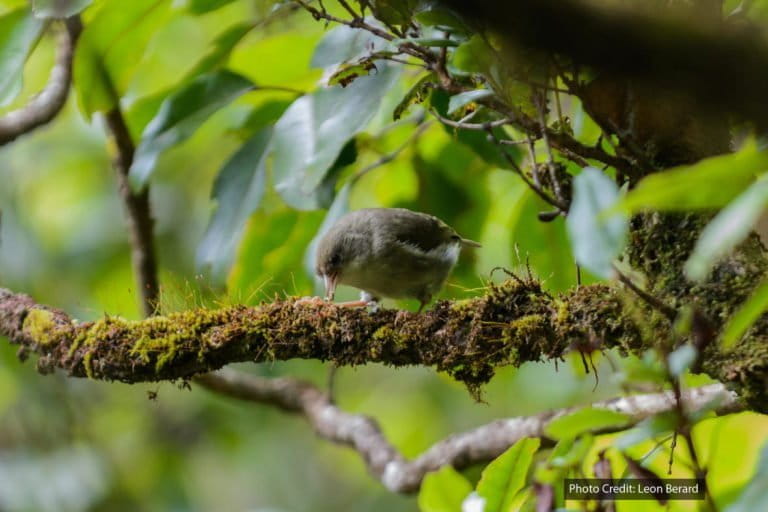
x=389, y=252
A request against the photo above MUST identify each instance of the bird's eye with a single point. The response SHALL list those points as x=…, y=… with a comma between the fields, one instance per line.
x=335, y=259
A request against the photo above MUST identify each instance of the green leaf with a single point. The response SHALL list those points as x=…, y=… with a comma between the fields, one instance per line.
x=439, y=16
x=648, y=429
x=144, y=109
x=571, y=454
x=681, y=359
x=58, y=8
x=443, y=491
x=596, y=240
x=505, y=476
x=746, y=316
x=238, y=190
x=343, y=44
x=19, y=33
x=181, y=114
x=755, y=493
x=221, y=49
x=710, y=183
x=315, y=128
x=460, y=100
x=473, y=56
x=109, y=49
x=416, y=94
x=204, y=6
x=584, y=420
x=393, y=12
x=729, y=228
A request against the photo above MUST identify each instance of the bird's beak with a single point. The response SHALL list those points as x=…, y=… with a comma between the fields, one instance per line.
x=330, y=281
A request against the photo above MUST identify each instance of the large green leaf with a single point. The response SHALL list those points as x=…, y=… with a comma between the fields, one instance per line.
x=142, y=110
x=729, y=228
x=315, y=128
x=746, y=315
x=583, y=420
x=755, y=494
x=109, y=49
x=443, y=491
x=181, y=114
x=596, y=240
x=221, y=49
x=505, y=476
x=238, y=190
x=58, y=8
x=19, y=32
x=710, y=183
x=342, y=44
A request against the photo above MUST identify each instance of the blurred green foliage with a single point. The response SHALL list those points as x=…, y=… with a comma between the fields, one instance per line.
x=202, y=83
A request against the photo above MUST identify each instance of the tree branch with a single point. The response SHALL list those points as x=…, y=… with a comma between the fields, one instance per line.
x=462, y=450
x=49, y=102
x=138, y=213
x=512, y=323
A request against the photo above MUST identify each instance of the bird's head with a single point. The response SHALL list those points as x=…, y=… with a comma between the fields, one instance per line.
x=337, y=251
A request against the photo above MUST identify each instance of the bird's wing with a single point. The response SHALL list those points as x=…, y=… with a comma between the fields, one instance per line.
x=419, y=230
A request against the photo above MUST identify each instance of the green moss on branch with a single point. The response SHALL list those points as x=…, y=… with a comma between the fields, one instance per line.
x=511, y=324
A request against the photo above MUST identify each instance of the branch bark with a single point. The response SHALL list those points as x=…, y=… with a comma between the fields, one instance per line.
x=138, y=214
x=49, y=102
x=513, y=323
x=482, y=444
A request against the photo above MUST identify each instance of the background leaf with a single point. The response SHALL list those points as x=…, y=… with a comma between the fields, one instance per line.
x=746, y=315
x=58, y=8
x=19, y=32
x=443, y=491
x=584, y=420
x=109, y=49
x=181, y=114
x=710, y=183
x=596, y=240
x=315, y=128
x=505, y=476
x=755, y=495
x=238, y=191
x=729, y=228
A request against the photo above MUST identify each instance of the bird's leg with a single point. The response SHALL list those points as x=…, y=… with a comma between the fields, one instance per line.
x=423, y=301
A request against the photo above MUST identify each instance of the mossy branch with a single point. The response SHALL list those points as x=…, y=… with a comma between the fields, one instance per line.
x=512, y=323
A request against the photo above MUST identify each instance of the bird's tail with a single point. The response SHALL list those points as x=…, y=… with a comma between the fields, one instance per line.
x=465, y=242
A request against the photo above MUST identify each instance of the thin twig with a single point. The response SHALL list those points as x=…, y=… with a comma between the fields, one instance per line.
x=666, y=310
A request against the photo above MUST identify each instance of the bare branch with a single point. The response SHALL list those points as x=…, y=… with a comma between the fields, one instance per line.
x=49, y=102
x=138, y=213
x=462, y=450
